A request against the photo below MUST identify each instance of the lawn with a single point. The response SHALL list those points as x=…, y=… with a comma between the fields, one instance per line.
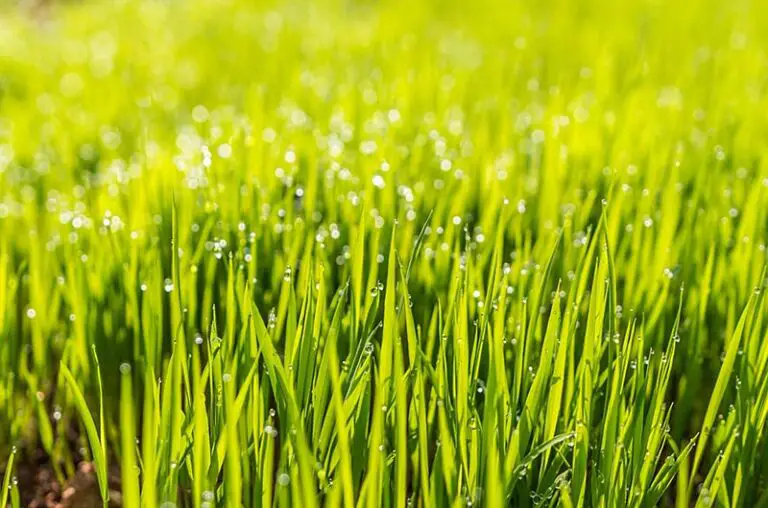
x=383, y=253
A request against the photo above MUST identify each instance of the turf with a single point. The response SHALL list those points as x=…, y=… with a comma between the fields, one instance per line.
x=395, y=253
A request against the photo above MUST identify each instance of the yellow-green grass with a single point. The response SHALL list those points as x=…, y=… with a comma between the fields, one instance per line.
x=387, y=253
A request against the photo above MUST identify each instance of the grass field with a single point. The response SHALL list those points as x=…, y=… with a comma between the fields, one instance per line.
x=384, y=253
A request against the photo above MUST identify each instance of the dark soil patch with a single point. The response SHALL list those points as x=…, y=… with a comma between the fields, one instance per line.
x=39, y=488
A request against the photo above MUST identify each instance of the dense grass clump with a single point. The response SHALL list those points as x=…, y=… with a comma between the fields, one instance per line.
x=397, y=253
